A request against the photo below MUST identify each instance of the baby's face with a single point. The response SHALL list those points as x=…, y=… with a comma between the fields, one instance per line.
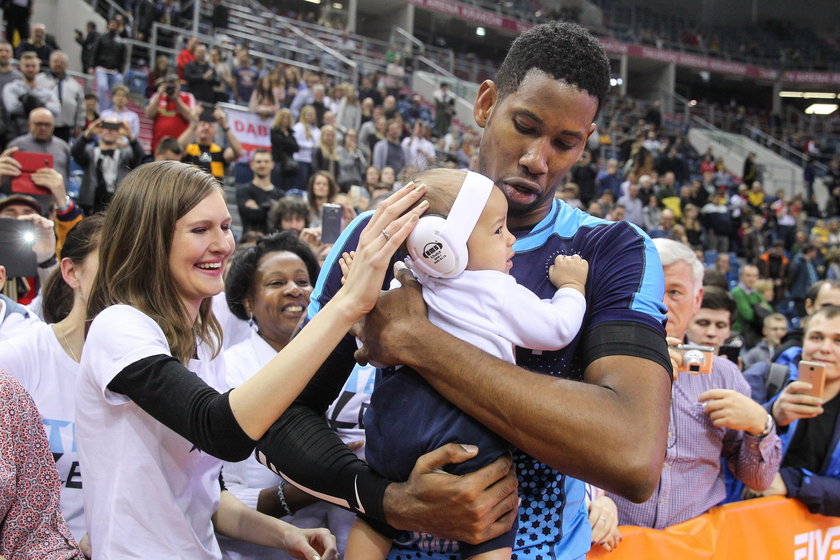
x=491, y=244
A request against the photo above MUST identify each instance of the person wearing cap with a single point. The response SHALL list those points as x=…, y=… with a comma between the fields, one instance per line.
x=199, y=147
x=170, y=110
x=23, y=207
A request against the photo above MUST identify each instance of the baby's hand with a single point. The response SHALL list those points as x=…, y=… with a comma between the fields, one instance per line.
x=345, y=262
x=569, y=272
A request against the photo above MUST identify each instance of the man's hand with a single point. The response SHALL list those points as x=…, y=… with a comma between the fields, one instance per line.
x=777, y=488
x=794, y=404
x=252, y=204
x=730, y=409
x=9, y=166
x=44, y=245
x=51, y=179
x=393, y=321
x=473, y=508
x=125, y=130
x=94, y=128
x=220, y=117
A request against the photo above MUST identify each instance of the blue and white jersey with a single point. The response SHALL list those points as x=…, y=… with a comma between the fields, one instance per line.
x=625, y=316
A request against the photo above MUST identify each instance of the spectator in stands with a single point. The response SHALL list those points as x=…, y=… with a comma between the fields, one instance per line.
x=751, y=307
x=808, y=470
x=290, y=213
x=774, y=265
x=610, y=179
x=307, y=135
x=749, y=174
x=245, y=77
x=666, y=224
x=157, y=75
x=774, y=328
x=108, y=60
x=718, y=223
x=394, y=76
x=71, y=120
x=803, y=275
x=91, y=106
x=200, y=76
x=146, y=15
x=7, y=73
x=200, y=149
x=825, y=293
x=368, y=89
x=419, y=150
x=105, y=163
x=255, y=199
x=219, y=17
x=584, y=174
x=633, y=209
x=39, y=43
x=372, y=131
x=283, y=147
x=263, y=100
x=87, y=41
x=320, y=189
x=170, y=110
x=16, y=16
x=23, y=95
x=319, y=103
x=754, y=239
x=444, y=109
x=41, y=139
x=388, y=151
x=223, y=71
x=119, y=110
x=712, y=324
x=691, y=223
x=325, y=153
x=727, y=425
x=186, y=55
x=168, y=149
x=411, y=112
x=349, y=113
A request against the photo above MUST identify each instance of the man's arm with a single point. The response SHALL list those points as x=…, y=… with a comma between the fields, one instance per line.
x=622, y=406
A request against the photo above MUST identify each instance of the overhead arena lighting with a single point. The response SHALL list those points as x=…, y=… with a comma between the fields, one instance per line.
x=480, y=31
x=821, y=109
x=808, y=94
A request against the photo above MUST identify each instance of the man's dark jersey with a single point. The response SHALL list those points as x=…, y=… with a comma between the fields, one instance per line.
x=625, y=316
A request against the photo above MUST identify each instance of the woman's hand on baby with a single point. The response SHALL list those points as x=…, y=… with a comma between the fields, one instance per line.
x=345, y=262
x=569, y=271
x=387, y=230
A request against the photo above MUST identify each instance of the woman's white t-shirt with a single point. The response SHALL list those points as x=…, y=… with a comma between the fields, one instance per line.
x=149, y=493
x=35, y=358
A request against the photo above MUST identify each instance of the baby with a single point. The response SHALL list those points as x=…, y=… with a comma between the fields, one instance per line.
x=461, y=252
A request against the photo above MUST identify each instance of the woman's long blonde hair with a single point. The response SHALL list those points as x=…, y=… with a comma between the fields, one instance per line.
x=134, y=253
x=329, y=152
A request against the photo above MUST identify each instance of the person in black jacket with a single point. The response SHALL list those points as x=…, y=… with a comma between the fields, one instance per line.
x=87, y=42
x=256, y=198
x=283, y=145
x=108, y=60
x=200, y=76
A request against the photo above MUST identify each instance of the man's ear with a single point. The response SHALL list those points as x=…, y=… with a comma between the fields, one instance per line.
x=486, y=100
x=2, y=277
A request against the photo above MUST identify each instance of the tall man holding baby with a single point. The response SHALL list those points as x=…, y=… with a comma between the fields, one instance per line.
x=596, y=410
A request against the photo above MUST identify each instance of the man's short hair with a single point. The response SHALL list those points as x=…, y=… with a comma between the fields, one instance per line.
x=91, y=96
x=829, y=312
x=168, y=143
x=815, y=288
x=119, y=88
x=59, y=54
x=261, y=151
x=29, y=55
x=671, y=252
x=565, y=51
x=774, y=317
x=719, y=299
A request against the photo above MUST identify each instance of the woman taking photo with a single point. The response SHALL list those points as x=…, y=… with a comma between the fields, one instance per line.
x=320, y=189
x=308, y=136
x=283, y=147
x=152, y=423
x=45, y=358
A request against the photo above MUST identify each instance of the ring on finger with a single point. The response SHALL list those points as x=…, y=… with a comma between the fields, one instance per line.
x=387, y=235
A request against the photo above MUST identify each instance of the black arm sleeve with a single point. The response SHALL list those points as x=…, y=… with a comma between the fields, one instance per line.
x=302, y=448
x=184, y=403
x=625, y=338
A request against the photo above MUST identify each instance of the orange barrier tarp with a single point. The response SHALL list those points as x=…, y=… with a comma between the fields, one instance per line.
x=767, y=529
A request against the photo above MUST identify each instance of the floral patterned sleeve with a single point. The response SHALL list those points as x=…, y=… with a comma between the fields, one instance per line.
x=31, y=524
